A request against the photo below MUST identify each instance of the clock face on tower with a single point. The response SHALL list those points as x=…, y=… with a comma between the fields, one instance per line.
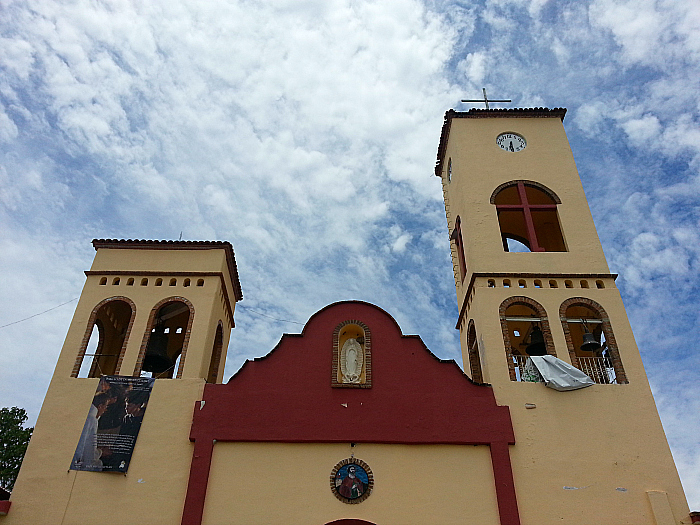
x=511, y=142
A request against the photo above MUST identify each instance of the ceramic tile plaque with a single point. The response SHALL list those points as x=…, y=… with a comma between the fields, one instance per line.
x=352, y=480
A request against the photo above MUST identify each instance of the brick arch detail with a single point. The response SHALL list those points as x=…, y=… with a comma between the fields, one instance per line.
x=149, y=326
x=88, y=332
x=474, y=357
x=349, y=521
x=607, y=331
x=367, y=357
x=531, y=183
x=546, y=331
x=215, y=360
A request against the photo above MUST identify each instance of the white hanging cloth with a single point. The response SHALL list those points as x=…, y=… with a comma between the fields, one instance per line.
x=559, y=375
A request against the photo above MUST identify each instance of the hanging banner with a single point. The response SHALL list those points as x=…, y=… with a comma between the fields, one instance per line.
x=112, y=424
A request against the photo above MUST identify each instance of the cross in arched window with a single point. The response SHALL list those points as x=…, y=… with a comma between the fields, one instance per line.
x=513, y=216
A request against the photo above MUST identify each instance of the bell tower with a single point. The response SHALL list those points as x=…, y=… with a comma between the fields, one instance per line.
x=161, y=309
x=532, y=279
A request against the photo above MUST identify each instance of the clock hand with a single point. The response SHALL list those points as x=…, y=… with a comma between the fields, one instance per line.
x=511, y=146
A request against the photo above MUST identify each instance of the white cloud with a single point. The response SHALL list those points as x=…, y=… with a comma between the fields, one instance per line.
x=475, y=67
x=642, y=130
x=399, y=245
x=17, y=56
x=650, y=32
x=590, y=117
x=8, y=129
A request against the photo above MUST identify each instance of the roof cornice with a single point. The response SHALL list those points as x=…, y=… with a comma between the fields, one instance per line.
x=138, y=244
x=489, y=113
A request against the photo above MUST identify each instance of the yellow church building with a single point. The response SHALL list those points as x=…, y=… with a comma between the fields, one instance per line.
x=351, y=422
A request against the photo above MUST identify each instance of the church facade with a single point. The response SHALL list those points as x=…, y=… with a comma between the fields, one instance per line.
x=351, y=421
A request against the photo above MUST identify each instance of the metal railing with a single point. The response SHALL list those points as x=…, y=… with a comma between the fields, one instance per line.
x=599, y=369
x=520, y=373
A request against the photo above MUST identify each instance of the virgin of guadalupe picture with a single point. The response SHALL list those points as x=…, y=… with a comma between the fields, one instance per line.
x=351, y=481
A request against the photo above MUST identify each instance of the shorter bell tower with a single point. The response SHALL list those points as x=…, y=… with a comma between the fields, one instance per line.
x=532, y=279
x=159, y=309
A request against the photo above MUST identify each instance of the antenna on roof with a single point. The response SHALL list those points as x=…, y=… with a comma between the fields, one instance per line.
x=486, y=100
x=180, y=236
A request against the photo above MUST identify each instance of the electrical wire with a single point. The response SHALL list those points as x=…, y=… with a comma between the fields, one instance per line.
x=268, y=316
x=40, y=313
x=75, y=299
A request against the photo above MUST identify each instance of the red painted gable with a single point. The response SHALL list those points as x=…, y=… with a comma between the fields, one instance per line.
x=415, y=397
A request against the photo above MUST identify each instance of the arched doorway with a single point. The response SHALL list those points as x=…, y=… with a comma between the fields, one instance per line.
x=350, y=521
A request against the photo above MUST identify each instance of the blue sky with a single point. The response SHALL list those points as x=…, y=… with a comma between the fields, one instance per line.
x=305, y=133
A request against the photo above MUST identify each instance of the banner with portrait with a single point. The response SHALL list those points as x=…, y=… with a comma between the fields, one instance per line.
x=112, y=424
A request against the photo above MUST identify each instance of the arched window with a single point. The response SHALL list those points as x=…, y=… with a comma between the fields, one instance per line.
x=105, y=339
x=527, y=215
x=457, y=238
x=591, y=342
x=216, y=351
x=474, y=358
x=521, y=317
x=165, y=343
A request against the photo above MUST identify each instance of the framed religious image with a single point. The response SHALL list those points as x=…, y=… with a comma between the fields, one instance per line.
x=352, y=355
x=352, y=480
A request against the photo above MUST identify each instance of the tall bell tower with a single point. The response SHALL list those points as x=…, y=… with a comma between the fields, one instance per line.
x=532, y=279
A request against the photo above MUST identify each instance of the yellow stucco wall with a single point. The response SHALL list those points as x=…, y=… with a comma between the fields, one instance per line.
x=265, y=483
x=152, y=491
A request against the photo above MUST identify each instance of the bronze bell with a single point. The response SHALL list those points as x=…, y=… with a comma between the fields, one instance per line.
x=537, y=345
x=156, y=359
x=589, y=342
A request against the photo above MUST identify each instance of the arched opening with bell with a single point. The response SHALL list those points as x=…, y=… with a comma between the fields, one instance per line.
x=525, y=333
x=590, y=340
x=105, y=338
x=165, y=343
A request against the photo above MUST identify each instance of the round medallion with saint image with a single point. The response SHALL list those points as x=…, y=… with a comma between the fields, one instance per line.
x=352, y=480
